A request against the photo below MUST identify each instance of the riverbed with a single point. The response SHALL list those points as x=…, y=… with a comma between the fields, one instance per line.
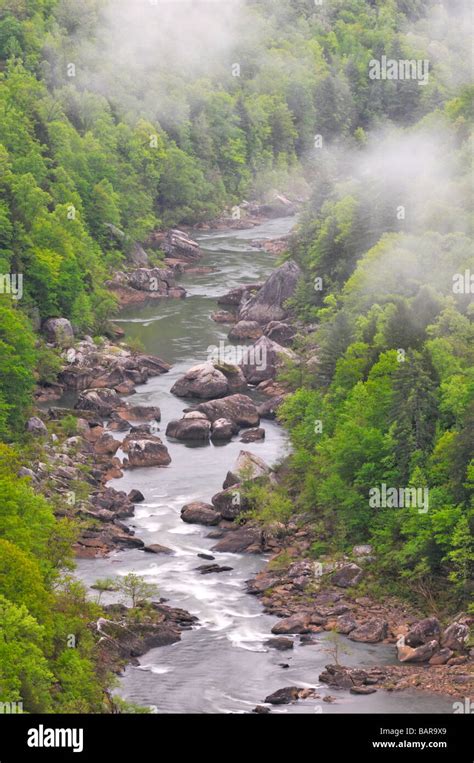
x=223, y=664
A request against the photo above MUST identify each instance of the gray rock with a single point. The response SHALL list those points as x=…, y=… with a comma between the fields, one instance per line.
x=200, y=513
x=192, y=429
x=239, y=409
x=25, y=472
x=246, y=330
x=203, y=381
x=58, y=331
x=35, y=426
x=238, y=541
x=229, y=503
x=269, y=303
x=423, y=631
x=292, y=624
x=101, y=401
x=253, y=435
x=284, y=696
x=370, y=632
x=346, y=576
x=150, y=452
x=156, y=548
x=222, y=430
x=279, y=332
x=282, y=644
x=262, y=359
x=455, y=636
x=421, y=653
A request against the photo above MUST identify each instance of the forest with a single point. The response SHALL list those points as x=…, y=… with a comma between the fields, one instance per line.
x=92, y=140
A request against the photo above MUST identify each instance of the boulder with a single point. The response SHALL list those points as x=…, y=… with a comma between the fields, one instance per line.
x=269, y=303
x=208, y=569
x=203, y=381
x=455, y=636
x=346, y=576
x=223, y=316
x=25, y=472
x=176, y=244
x=36, y=427
x=284, y=696
x=222, y=430
x=155, y=548
x=441, y=657
x=421, y=653
x=362, y=690
x=106, y=445
x=137, y=255
x=262, y=359
x=238, y=408
x=345, y=624
x=150, y=452
x=337, y=676
x=239, y=540
x=423, y=631
x=268, y=409
x=229, y=503
x=246, y=330
x=281, y=333
x=141, y=413
x=234, y=296
x=293, y=624
x=370, y=632
x=101, y=401
x=280, y=643
x=58, y=331
x=200, y=513
x=253, y=435
x=247, y=466
x=189, y=429
x=135, y=496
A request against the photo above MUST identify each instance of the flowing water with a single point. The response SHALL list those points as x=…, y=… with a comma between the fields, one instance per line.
x=222, y=665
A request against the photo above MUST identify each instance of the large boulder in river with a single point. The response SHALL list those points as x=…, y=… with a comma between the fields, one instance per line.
x=102, y=401
x=203, y=381
x=238, y=408
x=262, y=359
x=58, y=331
x=209, y=381
x=253, y=435
x=195, y=429
x=269, y=303
x=234, y=296
x=229, y=503
x=177, y=244
x=222, y=430
x=200, y=513
x=148, y=452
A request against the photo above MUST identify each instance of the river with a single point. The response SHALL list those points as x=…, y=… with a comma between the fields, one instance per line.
x=222, y=665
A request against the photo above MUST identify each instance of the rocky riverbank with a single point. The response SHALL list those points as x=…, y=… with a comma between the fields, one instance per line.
x=79, y=454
